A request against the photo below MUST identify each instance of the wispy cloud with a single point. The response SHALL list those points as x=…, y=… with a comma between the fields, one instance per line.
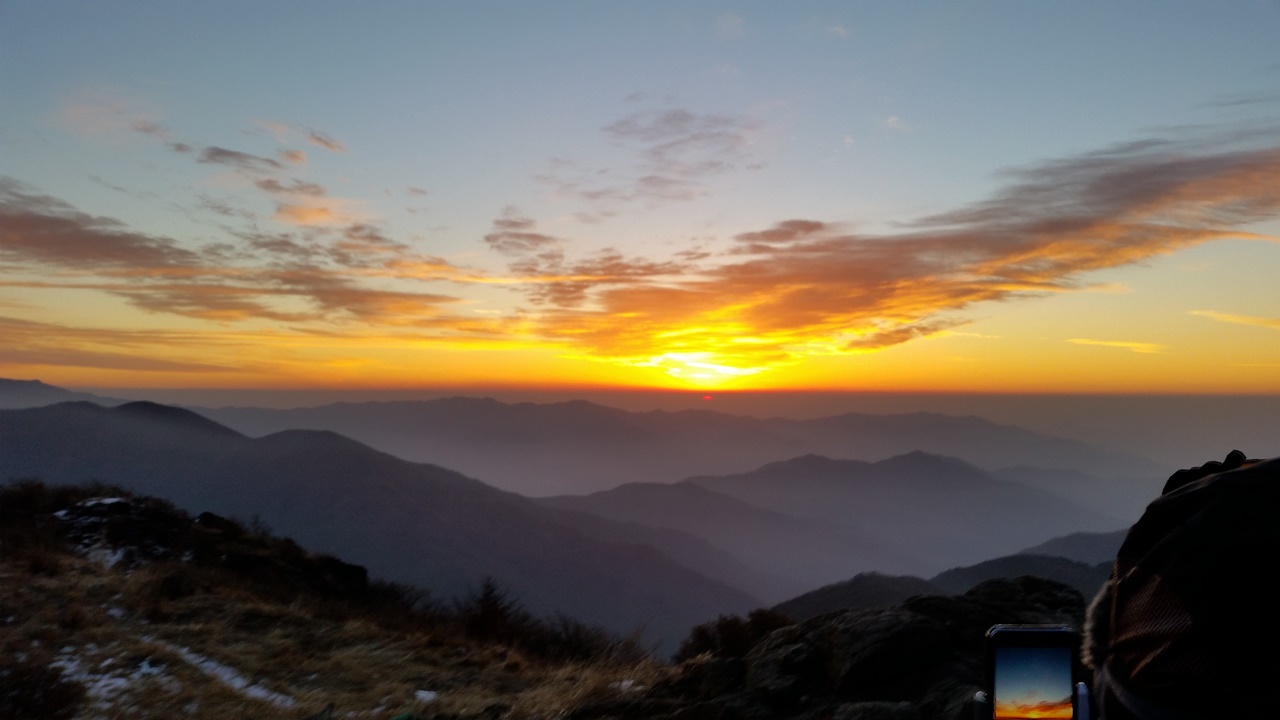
x=516, y=235
x=238, y=160
x=672, y=155
x=311, y=276
x=33, y=343
x=804, y=286
x=296, y=187
x=1145, y=348
x=44, y=230
x=326, y=141
x=1262, y=322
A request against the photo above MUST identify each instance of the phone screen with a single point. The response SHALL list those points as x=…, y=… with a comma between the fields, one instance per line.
x=1032, y=682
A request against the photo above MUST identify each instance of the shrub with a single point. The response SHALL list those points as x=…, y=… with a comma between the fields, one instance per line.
x=490, y=614
x=730, y=636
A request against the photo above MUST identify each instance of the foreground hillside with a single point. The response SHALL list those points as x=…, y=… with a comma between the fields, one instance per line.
x=113, y=606
x=410, y=522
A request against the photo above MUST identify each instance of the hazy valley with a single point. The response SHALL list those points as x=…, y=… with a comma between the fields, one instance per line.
x=733, y=512
x=896, y=506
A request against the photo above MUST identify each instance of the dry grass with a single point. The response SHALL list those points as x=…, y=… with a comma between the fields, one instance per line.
x=164, y=639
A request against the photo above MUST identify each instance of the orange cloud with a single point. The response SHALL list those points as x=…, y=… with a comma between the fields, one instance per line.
x=33, y=343
x=1262, y=322
x=1138, y=347
x=308, y=276
x=292, y=214
x=804, y=287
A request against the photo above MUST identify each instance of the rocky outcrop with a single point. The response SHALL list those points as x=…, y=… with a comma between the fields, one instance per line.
x=128, y=530
x=918, y=660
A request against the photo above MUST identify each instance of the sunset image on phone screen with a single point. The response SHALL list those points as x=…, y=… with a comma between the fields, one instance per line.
x=1033, y=683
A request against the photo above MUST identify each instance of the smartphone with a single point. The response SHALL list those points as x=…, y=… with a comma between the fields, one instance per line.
x=1031, y=672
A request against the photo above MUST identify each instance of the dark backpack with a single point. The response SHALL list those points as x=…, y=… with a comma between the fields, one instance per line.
x=1187, y=626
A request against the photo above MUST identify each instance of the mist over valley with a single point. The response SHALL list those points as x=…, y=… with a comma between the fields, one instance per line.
x=659, y=519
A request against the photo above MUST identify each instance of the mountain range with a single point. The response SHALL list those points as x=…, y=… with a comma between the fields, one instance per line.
x=409, y=522
x=579, y=447
x=658, y=555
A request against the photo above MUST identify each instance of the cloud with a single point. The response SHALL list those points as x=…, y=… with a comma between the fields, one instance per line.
x=838, y=31
x=297, y=187
x=312, y=276
x=686, y=144
x=803, y=287
x=893, y=122
x=549, y=279
x=33, y=343
x=301, y=208
x=102, y=111
x=417, y=191
x=293, y=157
x=673, y=154
x=1262, y=322
x=1138, y=347
x=328, y=142
x=44, y=230
x=367, y=239
x=236, y=159
x=515, y=235
x=146, y=127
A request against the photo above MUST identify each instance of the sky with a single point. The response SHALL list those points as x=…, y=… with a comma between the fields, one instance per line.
x=1007, y=197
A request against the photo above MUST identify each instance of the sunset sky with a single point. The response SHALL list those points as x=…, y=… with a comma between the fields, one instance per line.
x=971, y=196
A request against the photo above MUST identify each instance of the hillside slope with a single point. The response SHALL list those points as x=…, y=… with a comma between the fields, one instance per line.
x=942, y=510
x=409, y=522
x=117, y=606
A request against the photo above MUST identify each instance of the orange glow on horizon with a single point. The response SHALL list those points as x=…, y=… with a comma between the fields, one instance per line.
x=1045, y=710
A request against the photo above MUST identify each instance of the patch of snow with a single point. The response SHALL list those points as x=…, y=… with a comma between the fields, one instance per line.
x=101, y=688
x=426, y=696
x=115, y=612
x=101, y=501
x=626, y=685
x=107, y=556
x=229, y=676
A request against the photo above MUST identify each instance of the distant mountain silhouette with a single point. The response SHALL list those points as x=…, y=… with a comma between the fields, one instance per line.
x=581, y=447
x=1087, y=579
x=864, y=590
x=33, y=393
x=941, y=510
x=870, y=590
x=799, y=552
x=1088, y=548
x=405, y=521
x=1125, y=500
x=688, y=549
